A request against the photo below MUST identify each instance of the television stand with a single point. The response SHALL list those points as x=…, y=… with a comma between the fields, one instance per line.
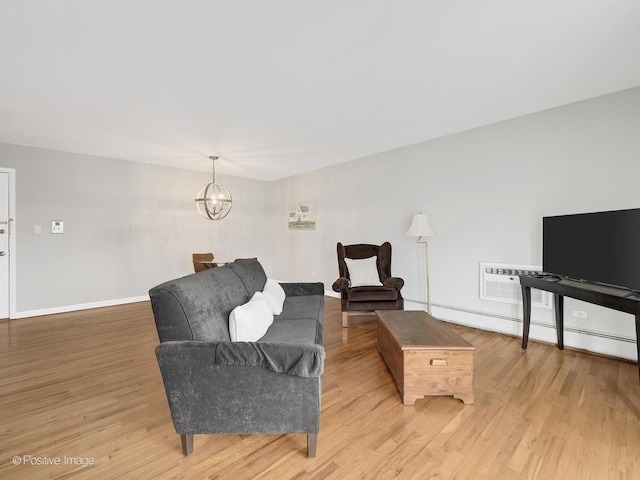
x=619, y=299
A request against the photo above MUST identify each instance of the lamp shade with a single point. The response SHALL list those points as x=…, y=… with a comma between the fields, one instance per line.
x=420, y=226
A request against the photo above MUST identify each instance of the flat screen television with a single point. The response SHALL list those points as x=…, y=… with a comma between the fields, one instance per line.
x=599, y=247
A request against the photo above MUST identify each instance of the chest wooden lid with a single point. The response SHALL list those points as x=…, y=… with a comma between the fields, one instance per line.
x=415, y=329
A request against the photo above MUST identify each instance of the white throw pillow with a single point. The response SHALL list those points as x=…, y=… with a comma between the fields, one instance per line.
x=275, y=295
x=363, y=272
x=249, y=322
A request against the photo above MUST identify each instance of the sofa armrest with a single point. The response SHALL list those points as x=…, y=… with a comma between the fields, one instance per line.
x=207, y=397
x=341, y=285
x=394, y=282
x=298, y=289
x=300, y=360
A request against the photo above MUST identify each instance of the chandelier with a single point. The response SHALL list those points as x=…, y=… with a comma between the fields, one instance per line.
x=214, y=200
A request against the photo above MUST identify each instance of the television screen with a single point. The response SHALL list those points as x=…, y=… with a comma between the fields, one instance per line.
x=601, y=247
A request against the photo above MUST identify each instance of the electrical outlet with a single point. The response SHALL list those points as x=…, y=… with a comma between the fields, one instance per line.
x=57, y=226
x=37, y=229
x=313, y=273
x=579, y=313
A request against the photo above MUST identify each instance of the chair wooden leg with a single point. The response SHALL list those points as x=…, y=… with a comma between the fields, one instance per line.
x=187, y=443
x=312, y=443
x=345, y=319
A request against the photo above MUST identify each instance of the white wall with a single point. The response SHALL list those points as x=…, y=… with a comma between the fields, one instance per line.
x=128, y=227
x=485, y=192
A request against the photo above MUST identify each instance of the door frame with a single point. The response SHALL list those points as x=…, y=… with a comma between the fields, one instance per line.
x=12, y=240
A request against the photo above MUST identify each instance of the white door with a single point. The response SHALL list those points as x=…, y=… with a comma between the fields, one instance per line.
x=4, y=245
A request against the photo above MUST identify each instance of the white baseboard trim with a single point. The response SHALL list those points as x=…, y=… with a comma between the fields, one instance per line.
x=581, y=339
x=82, y=306
x=596, y=342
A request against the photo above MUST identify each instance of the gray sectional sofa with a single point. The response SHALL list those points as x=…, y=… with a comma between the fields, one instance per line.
x=215, y=385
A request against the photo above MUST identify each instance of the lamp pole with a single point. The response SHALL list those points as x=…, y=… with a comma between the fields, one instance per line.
x=426, y=257
x=420, y=228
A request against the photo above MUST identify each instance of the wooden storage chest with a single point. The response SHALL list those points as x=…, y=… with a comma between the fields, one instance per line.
x=424, y=356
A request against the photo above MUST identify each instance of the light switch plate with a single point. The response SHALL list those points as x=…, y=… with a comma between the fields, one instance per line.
x=57, y=226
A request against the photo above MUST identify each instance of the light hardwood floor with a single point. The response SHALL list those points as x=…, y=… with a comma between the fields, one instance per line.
x=86, y=384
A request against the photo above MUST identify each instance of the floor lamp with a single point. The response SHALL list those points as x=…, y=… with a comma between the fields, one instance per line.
x=420, y=228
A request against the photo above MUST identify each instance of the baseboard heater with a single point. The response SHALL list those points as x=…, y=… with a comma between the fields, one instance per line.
x=581, y=331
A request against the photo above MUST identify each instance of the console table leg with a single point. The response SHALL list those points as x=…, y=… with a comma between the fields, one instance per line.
x=526, y=315
x=559, y=306
x=638, y=344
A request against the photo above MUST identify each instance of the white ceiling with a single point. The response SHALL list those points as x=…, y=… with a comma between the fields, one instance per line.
x=280, y=87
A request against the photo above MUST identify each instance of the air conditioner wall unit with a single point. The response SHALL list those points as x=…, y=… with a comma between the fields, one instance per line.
x=500, y=282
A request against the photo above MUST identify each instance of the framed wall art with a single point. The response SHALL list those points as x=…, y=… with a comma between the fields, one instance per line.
x=302, y=216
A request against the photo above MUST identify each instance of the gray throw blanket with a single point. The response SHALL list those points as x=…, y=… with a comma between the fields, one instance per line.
x=301, y=360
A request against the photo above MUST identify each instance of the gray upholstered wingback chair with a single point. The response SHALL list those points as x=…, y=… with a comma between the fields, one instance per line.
x=366, y=299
